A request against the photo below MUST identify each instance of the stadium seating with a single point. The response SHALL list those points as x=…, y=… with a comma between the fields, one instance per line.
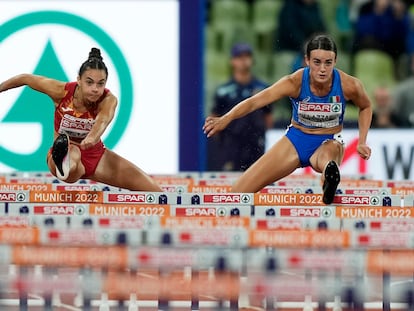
x=217, y=72
x=265, y=16
x=282, y=63
x=229, y=19
x=374, y=68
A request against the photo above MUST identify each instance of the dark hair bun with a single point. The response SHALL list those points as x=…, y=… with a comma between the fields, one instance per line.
x=95, y=53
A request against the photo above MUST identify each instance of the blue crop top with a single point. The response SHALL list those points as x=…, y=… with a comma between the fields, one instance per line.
x=312, y=111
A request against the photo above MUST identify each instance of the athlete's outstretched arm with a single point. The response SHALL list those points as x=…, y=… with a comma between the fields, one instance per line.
x=53, y=88
x=286, y=86
x=106, y=112
x=355, y=92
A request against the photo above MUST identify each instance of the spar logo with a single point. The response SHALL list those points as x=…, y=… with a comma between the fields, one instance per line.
x=36, y=109
x=336, y=107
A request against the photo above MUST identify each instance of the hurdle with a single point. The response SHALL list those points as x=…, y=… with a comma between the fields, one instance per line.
x=207, y=249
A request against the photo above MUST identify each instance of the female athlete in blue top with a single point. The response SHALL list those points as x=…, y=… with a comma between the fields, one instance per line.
x=318, y=94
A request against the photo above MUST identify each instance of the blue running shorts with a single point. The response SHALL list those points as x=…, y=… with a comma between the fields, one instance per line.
x=306, y=144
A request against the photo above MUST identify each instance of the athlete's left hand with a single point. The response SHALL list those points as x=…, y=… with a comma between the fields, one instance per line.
x=364, y=151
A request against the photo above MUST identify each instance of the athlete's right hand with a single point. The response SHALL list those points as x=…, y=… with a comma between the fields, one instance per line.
x=213, y=125
x=88, y=142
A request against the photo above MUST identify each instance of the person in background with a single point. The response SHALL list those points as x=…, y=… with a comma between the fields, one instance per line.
x=403, y=99
x=298, y=20
x=383, y=115
x=383, y=25
x=242, y=143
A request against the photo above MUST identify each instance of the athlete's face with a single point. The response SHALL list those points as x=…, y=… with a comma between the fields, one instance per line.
x=92, y=84
x=321, y=64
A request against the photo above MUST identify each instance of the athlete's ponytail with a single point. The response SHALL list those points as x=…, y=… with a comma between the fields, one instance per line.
x=94, y=61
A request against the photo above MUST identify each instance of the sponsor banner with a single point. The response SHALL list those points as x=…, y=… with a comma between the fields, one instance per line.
x=174, y=188
x=66, y=197
x=57, y=210
x=366, y=212
x=148, y=210
x=121, y=285
x=296, y=223
x=286, y=288
x=197, y=258
x=290, y=190
x=214, y=198
x=163, y=257
x=112, y=222
x=360, y=183
x=305, y=199
x=218, y=182
x=90, y=237
x=225, y=237
x=174, y=180
x=197, y=222
x=383, y=239
x=25, y=187
x=136, y=197
x=396, y=262
x=400, y=184
x=49, y=284
x=379, y=225
x=321, y=260
x=31, y=180
x=357, y=191
x=14, y=221
x=131, y=222
x=294, y=211
x=45, y=27
x=127, y=210
x=51, y=256
x=295, y=180
x=316, y=239
x=173, y=286
x=368, y=200
x=46, y=209
x=210, y=189
x=82, y=187
x=206, y=210
x=394, y=225
x=14, y=196
x=15, y=235
x=281, y=224
x=230, y=198
x=403, y=191
x=87, y=237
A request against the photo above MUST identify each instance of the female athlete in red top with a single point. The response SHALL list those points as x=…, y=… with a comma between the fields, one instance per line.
x=83, y=111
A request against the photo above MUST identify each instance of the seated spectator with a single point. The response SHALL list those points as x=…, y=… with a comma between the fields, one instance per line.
x=297, y=21
x=383, y=115
x=403, y=99
x=382, y=25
